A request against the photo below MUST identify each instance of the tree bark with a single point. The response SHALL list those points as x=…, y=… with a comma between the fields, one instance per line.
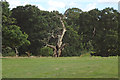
x=16, y=51
x=59, y=52
x=60, y=37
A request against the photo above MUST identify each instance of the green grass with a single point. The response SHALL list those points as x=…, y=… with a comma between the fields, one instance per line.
x=64, y=67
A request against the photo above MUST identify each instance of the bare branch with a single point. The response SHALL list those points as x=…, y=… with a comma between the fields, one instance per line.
x=63, y=46
x=51, y=46
x=52, y=35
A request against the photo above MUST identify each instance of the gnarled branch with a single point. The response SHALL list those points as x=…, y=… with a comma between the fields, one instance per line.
x=51, y=46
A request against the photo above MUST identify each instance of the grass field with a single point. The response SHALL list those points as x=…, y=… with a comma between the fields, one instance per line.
x=64, y=67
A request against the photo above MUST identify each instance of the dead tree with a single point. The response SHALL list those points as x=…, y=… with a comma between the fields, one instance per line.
x=59, y=46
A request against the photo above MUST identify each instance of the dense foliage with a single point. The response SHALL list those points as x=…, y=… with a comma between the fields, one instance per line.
x=12, y=36
x=92, y=31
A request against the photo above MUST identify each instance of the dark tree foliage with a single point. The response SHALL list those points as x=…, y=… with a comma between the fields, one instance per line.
x=94, y=30
x=74, y=46
x=118, y=34
x=12, y=36
x=106, y=40
x=100, y=27
x=39, y=25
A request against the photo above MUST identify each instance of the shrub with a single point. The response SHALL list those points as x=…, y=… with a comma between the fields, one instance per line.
x=8, y=52
x=45, y=51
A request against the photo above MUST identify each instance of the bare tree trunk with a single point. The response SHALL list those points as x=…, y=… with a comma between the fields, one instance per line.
x=60, y=38
x=59, y=52
x=58, y=48
x=16, y=51
x=55, y=52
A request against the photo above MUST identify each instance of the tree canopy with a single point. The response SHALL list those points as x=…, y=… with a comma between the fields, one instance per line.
x=30, y=29
x=12, y=36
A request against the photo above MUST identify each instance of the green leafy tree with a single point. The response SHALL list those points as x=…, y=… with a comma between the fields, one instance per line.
x=106, y=39
x=39, y=25
x=73, y=41
x=99, y=28
x=13, y=37
x=85, y=30
x=31, y=21
x=6, y=14
x=72, y=17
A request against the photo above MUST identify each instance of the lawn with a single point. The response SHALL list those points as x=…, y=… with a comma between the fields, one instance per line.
x=63, y=67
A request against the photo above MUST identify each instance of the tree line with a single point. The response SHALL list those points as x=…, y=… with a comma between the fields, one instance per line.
x=27, y=30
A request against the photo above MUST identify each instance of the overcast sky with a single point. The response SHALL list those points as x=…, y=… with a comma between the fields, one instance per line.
x=62, y=5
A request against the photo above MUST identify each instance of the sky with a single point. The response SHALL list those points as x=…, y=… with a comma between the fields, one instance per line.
x=62, y=5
